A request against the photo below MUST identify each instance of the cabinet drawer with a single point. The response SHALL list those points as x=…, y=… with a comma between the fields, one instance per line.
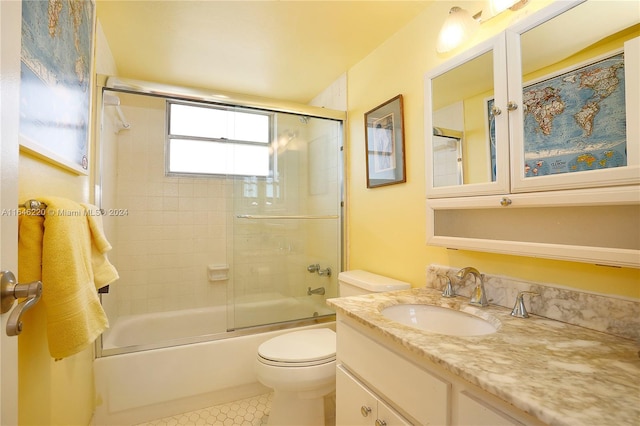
x=421, y=395
x=473, y=411
x=358, y=406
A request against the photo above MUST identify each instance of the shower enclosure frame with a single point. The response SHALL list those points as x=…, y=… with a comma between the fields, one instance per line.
x=117, y=84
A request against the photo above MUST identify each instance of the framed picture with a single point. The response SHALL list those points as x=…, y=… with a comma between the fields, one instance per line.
x=55, y=74
x=384, y=144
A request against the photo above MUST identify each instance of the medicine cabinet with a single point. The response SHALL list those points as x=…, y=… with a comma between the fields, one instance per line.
x=551, y=103
x=534, y=128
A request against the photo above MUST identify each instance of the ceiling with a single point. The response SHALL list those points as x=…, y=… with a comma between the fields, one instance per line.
x=283, y=50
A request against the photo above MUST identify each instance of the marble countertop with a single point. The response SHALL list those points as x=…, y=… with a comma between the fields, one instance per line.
x=560, y=373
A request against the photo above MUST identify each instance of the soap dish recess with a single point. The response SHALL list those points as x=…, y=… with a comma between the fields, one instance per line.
x=218, y=272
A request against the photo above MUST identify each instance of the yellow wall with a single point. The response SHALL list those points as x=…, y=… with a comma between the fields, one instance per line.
x=387, y=225
x=55, y=392
x=386, y=230
x=51, y=392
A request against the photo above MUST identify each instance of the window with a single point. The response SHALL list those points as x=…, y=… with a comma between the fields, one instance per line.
x=207, y=139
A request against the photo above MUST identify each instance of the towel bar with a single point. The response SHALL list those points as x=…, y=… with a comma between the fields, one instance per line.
x=33, y=205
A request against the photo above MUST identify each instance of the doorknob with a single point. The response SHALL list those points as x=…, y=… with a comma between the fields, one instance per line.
x=10, y=290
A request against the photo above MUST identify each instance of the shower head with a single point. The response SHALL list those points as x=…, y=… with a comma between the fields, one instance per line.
x=112, y=100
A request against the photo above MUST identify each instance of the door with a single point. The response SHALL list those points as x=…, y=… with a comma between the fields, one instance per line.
x=355, y=405
x=10, y=30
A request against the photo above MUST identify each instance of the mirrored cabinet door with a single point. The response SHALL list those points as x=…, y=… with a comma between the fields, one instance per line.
x=574, y=76
x=466, y=127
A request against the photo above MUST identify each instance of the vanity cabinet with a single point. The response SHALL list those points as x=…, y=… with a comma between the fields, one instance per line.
x=420, y=396
x=357, y=405
x=598, y=226
x=540, y=120
x=400, y=388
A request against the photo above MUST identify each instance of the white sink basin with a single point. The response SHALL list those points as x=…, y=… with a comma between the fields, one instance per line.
x=439, y=320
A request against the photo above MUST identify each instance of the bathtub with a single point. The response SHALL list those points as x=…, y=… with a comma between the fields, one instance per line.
x=133, y=331
x=201, y=370
x=152, y=330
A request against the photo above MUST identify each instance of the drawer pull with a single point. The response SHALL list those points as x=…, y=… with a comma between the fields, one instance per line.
x=364, y=410
x=380, y=422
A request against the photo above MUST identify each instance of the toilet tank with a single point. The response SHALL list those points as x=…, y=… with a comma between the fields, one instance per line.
x=356, y=282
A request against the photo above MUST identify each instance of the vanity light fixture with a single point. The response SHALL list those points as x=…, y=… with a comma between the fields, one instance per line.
x=498, y=6
x=460, y=25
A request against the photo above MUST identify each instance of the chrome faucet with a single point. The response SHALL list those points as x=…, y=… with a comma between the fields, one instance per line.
x=313, y=268
x=447, y=290
x=319, y=290
x=478, y=295
x=322, y=272
x=519, y=310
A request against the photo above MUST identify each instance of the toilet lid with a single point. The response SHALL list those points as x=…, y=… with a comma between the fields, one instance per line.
x=307, y=346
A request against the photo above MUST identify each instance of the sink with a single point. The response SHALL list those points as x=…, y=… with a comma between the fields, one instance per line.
x=439, y=320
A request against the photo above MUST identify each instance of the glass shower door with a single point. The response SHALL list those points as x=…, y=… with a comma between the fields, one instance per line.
x=287, y=242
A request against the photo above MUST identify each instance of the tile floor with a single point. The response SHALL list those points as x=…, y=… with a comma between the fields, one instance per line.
x=245, y=412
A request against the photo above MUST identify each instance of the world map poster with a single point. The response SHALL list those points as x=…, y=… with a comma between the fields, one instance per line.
x=576, y=121
x=55, y=79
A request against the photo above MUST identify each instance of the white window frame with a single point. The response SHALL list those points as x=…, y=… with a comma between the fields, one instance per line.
x=170, y=137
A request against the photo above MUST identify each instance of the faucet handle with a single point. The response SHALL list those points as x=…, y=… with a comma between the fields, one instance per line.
x=519, y=310
x=447, y=290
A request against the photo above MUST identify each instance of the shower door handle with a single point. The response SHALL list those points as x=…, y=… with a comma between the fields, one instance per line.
x=10, y=290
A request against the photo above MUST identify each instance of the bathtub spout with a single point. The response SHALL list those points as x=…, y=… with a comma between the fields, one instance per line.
x=319, y=290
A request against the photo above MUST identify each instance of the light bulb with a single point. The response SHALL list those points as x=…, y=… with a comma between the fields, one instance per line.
x=457, y=28
x=498, y=6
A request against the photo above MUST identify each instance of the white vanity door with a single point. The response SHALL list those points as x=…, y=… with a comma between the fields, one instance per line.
x=575, y=124
x=353, y=401
x=356, y=405
x=466, y=117
x=388, y=417
x=475, y=412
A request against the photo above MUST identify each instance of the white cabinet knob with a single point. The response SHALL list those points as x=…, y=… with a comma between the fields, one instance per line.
x=364, y=410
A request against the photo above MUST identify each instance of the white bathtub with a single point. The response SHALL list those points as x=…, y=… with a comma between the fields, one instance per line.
x=152, y=329
x=149, y=329
x=140, y=386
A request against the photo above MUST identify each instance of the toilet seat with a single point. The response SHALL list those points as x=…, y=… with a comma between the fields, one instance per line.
x=299, y=348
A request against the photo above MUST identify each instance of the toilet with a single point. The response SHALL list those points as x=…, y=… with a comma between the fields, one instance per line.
x=300, y=366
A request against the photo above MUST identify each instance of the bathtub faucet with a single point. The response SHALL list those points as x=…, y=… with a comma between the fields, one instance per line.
x=319, y=290
x=322, y=272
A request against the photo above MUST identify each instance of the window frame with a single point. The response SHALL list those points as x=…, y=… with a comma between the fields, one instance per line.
x=228, y=107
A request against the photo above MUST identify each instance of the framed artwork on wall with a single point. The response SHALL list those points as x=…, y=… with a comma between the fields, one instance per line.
x=55, y=81
x=384, y=144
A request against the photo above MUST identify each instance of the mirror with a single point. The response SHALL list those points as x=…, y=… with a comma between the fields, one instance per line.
x=463, y=139
x=574, y=114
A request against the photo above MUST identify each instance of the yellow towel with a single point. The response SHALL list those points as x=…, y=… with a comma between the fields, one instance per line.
x=75, y=317
x=104, y=273
x=31, y=231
